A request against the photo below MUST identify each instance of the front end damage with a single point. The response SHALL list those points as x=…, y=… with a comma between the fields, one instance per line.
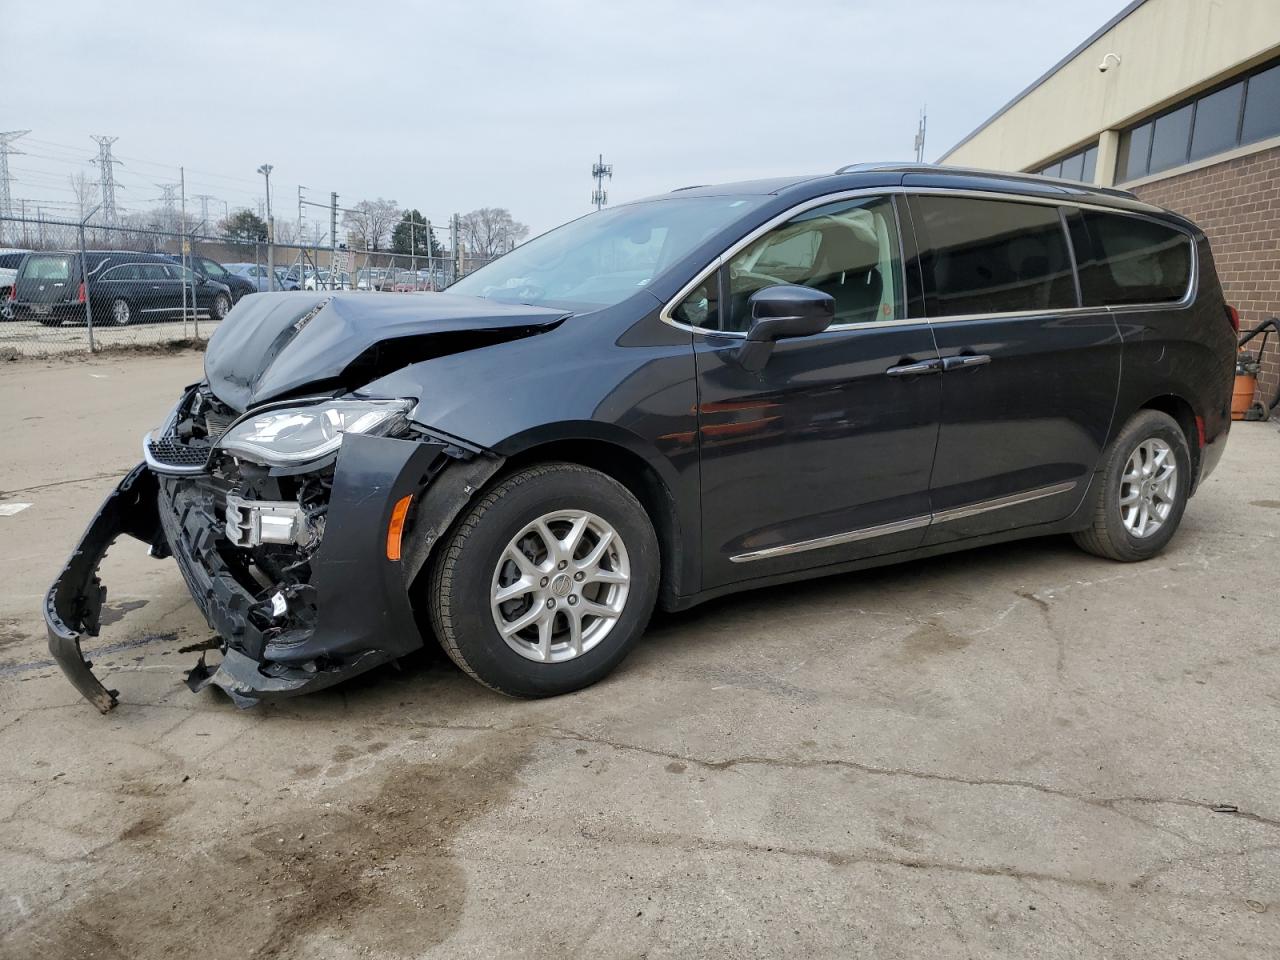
x=294, y=568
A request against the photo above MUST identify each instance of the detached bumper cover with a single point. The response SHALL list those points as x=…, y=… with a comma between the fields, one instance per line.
x=73, y=606
x=353, y=615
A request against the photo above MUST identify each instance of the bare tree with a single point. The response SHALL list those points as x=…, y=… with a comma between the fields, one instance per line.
x=286, y=231
x=85, y=190
x=369, y=223
x=491, y=231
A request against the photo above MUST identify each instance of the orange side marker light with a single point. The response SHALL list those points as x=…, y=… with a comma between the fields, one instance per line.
x=395, y=529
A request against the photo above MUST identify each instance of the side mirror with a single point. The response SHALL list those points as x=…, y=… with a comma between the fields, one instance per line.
x=783, y=312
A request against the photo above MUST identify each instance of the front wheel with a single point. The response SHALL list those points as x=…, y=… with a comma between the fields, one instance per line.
x=547, y=582
x=1142, y=490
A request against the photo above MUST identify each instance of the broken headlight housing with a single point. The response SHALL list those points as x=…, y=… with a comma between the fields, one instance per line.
x=291, y=436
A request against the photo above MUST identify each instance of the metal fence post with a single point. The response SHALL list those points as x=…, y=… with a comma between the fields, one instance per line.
x=88, y=299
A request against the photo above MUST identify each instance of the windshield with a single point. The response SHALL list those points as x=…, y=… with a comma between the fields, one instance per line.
x=602, y=258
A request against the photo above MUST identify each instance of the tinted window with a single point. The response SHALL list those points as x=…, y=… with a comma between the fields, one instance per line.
x=847, y=249
x=1073, y=167
x=127, y=271
x=212, y=269
x=1169, y=142
x=1262, y=107
x=1126, y=259
x=152, y=271
x=701, y=308
x=10, y=261
x=1090, y=166
x=47, y=268
x=1134, y=150
x=1216, y=119
x=992, y=256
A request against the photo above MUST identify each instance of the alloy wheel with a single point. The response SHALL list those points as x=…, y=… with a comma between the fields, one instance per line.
x=1148, y=487
x=560, y=586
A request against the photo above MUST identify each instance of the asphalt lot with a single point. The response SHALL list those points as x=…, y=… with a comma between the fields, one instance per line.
x=1015, y=751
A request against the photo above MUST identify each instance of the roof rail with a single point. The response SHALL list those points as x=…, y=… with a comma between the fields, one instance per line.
x=1017, y=175
x=692, y=186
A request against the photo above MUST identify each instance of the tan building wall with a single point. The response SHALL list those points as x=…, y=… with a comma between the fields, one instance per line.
x=1167, y=49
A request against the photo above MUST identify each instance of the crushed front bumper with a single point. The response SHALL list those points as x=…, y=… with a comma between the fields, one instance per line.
x=355, y=613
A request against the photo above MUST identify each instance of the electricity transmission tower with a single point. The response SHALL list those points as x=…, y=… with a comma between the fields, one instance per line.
x=600, y=170
x=6, y=148
x=204, y=199
x=106, y=178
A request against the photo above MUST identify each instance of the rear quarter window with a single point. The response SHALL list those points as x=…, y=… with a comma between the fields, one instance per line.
x=47, y=268
x=1125, y=259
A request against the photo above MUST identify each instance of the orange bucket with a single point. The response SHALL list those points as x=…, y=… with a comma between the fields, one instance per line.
x=1242, y=396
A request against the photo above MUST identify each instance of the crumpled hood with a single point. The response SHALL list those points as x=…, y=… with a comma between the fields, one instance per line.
x=275, y=344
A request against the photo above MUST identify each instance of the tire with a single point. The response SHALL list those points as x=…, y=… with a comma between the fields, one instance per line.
x=50, y=321
x=475, y=560
x=221, y=307
x=120, y=314
x=1115, y=532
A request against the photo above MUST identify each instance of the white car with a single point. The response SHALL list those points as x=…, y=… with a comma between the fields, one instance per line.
x=10, y=260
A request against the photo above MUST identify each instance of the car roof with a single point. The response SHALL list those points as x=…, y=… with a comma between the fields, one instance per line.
x=921, y=176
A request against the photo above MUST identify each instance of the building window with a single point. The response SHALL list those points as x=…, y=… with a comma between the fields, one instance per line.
x=1238, y=113
x=1081, y=165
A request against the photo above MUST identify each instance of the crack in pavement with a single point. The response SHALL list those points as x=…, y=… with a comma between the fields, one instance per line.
x=838, y=859
x=1106, y=803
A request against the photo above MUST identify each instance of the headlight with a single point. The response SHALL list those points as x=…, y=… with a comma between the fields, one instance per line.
x=289, y=436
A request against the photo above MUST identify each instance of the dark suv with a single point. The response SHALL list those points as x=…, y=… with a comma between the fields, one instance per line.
x=121, y=287
x=213, y=270
x=718, y=389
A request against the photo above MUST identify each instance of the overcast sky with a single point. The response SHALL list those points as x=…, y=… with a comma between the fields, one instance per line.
x=447, y=106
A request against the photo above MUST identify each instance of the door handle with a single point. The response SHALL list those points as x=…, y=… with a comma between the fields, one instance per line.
x=915, y=369
x=965, y=361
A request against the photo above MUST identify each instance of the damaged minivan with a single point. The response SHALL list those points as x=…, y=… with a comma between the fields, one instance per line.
x=708, y=391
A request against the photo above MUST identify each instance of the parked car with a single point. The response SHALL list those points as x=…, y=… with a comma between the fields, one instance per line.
x=9, y=261
x=212, y=270
x=121, y=287
x=256, y=274
x=324, y=280
x=666, y=401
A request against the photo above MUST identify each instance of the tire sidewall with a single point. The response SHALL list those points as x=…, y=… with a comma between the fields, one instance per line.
x=563, y=488
x=221, y=306
x=1148, y=425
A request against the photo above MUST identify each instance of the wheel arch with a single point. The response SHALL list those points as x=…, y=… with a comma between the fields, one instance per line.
x=1181, y=410
x=622, y=462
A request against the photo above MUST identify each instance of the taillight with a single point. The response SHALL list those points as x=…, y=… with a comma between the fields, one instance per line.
x=80, y=293
x=1233, y=318
x=13, y=292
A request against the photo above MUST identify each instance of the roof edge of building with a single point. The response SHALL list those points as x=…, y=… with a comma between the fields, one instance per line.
x=1035, y=84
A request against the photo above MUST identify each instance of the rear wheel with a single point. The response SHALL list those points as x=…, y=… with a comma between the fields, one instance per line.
x=1142, y=490
x=547, y=582
x=221, y=306
x=120, y=314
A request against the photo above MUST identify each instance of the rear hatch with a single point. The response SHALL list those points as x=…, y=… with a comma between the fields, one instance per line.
x=48, y=278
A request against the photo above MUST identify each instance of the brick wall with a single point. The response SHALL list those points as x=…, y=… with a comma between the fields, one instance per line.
x=1237, y=204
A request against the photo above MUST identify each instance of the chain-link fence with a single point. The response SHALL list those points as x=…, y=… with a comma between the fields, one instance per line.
x=66, y=286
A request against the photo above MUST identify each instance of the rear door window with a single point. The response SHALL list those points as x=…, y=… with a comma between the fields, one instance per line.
x=153, y=271
x=992, y=256
x=1124, y=259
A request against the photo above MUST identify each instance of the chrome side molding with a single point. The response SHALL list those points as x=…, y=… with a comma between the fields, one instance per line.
x=911, y=523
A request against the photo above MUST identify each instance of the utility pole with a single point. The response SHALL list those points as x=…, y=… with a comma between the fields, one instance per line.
x=599, y=171
x=6, y=148
x=920, y=135
x=431, y=270
x=334, y=273
x=106, y=178
x=265, y=170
